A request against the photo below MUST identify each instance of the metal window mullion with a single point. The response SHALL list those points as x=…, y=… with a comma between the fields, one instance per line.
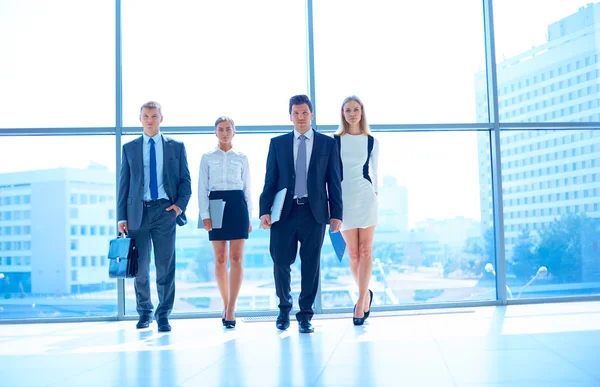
x=310, y=56
x=118, y=134
x=492, y=90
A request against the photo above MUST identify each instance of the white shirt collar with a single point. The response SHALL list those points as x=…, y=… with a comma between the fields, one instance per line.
x=217, y=149
x=309, y=134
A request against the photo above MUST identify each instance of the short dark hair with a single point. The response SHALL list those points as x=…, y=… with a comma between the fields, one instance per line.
x=152, y=105
x=299, y=100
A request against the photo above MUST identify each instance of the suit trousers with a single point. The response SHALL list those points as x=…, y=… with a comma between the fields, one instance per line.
x=157, y=230
x=299, y=226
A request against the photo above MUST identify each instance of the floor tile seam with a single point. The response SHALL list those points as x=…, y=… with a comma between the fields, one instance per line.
x=330, y=356
x=564, y=358
x=441, y=353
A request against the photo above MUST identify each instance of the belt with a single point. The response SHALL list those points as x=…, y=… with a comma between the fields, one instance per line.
x=301, y=201
x=156, y=203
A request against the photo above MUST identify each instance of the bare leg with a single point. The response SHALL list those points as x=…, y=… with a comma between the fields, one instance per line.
x=220, y=248
x=351, y=237
x=365, y=264
x=236, y=248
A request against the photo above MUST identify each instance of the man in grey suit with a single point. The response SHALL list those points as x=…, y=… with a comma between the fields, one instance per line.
x=154, y=190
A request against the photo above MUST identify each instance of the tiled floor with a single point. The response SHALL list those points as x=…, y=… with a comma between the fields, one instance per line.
x=526, y=345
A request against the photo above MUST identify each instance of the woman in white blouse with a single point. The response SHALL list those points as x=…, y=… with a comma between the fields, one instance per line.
x=225, y=176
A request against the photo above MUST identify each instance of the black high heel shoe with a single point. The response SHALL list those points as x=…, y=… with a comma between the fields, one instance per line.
x=357, y=320
x=370, y=301
x=228, y=323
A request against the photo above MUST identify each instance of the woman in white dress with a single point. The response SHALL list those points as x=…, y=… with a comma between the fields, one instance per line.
x=225, y=175
x=359, y=153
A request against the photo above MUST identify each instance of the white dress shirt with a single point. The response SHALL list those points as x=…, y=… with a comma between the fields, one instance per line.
x=223, y=171
x=158, y=146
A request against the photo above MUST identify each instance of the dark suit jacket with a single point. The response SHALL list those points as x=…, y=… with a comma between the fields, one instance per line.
x=176, y=180
x=323, y=177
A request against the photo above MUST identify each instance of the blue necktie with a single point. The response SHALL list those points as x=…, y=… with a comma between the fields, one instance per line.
x=153, y=175
x=300, y=188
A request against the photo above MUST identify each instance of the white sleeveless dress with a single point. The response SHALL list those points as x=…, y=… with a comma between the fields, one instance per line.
x=358, y=193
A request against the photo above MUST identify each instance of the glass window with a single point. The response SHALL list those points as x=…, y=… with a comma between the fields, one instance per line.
x=440, y=237
x=376, y=53
x=76, y=164
x=529, y=33
x=546, y=250
x=80, y=37
x=238, y=60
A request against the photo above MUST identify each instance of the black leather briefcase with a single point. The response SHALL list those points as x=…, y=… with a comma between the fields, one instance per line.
x=123, y=258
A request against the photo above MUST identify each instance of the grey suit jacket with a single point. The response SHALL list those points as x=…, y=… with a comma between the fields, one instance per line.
x=176, y=180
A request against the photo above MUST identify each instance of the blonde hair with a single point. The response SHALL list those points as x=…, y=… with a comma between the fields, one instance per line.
x=345, y=126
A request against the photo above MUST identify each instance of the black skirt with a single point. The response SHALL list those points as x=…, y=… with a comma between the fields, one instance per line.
x=235, y=216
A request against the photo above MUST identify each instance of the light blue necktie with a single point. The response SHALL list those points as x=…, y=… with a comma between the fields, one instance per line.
x=300, y=188
x=153, y=175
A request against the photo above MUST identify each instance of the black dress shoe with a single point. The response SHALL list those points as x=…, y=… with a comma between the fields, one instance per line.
x=367, y=313
x=144, y=322
x=163, y=325
x=305, y=326
x=283, y=321
x=229, y=324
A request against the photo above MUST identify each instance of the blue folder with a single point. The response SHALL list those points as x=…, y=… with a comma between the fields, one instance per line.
x=338, y=243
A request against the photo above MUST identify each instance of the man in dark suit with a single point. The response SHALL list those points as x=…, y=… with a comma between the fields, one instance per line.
x=154, y=190
x=307, y=164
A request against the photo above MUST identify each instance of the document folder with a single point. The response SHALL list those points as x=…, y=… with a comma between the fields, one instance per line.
x=278, y=205
x=338, y=243
x=216, y=208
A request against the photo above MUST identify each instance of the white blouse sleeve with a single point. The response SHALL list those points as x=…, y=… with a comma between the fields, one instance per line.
x=373, y=165
x=203, y=189
x=247, y=186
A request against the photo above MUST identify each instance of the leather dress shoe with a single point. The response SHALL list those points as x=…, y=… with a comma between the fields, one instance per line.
x=305, y=326
x=144, y=322
x=163, y=325
x=283, y=321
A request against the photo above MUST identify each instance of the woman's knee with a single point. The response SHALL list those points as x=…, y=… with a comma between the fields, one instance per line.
x=236, y=260
x=221, y=260
x=365, y=251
